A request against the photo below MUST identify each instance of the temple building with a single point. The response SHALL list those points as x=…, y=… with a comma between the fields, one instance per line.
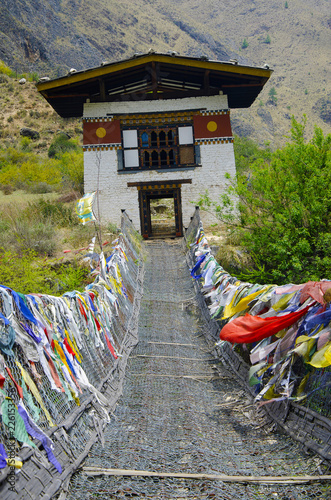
x=156, y=126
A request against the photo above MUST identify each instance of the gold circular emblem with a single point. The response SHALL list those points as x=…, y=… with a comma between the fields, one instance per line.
x=212, y=126
x=100, y=132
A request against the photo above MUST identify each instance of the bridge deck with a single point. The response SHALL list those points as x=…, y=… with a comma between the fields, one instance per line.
x=182, y=411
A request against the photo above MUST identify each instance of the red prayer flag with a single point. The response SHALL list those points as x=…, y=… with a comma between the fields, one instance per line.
x=110, y=347
x=18, y=387
x=250, y=328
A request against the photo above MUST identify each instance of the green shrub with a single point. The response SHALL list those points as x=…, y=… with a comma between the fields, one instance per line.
x=282, y=215
x=41, y=188
x=246, y=151
x=70, y=276
x=62, y=144
x=23, y=168
x=13, y=156
x=26, y=273
x=113, y=228
x=33, y=77
x=33, y=172
x=9, y=175
x=38, y=236
x=55, y=213
x=26, y=144
x=4, y=69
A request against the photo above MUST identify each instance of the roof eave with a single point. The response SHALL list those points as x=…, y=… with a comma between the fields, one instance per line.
x=241, y=83
x=115, y=67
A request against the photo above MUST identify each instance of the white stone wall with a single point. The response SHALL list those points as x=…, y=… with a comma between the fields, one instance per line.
x=216, y=160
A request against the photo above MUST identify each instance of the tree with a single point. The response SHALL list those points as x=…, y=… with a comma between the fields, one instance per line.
x=244, y=44
x=246, y=151
x=282, y=214
x=72, y=170
x=273, y=96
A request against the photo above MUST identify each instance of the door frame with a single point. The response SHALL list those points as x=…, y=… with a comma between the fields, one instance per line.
x=147, y=191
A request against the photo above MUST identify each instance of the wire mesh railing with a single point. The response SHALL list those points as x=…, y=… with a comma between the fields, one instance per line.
x=62, y=372
x=182, y=415
x=288, y=367
x=62, y=368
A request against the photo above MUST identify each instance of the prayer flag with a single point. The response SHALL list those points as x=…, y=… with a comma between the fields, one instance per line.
x=84, y=208
x=247, y=329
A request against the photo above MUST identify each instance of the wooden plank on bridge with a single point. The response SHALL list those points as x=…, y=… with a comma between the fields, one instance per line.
x=98, y=471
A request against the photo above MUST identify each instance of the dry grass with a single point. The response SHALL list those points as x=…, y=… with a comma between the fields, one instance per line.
x=68, y=242
x=22, y=106
x=20, y=199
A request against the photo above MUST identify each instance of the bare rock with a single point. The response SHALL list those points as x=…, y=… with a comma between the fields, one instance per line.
x=44, y=79
x=266, y=117
x=323, y=108
x=160, y=209
x=241, y=128
x=62, y=132
x=28, y=132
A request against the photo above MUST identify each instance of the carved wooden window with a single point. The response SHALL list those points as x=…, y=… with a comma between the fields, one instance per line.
x=158, y=148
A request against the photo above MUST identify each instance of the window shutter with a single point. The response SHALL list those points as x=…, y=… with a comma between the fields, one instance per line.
x=197, y=154
x=185, y=135
x=130, y=149
x=120, y=163
x=130, y=139
x=131, y=158
x=186, y=155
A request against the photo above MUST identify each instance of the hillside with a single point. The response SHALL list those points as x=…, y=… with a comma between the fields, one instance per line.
x=21, y=106
x=293, y=37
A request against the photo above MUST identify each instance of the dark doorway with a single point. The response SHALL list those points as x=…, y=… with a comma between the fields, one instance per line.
x=160, y=212
x=162, y=216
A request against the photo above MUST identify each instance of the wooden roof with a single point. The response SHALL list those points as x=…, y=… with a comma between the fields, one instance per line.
x=154, y=76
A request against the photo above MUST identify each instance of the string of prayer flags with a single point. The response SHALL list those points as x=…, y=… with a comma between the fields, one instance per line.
x=277, y=323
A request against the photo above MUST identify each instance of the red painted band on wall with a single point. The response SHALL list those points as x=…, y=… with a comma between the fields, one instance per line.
x=211, y=126
x=102, y=132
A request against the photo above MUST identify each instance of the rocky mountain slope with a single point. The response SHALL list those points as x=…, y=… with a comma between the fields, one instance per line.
x=293, y=37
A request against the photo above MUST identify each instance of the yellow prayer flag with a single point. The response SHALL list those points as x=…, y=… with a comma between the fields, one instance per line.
x=84, y=208
x=322, y=358
x=33, y=388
